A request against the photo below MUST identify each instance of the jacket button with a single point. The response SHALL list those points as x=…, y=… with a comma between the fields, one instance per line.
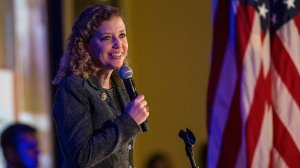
x=103, y=96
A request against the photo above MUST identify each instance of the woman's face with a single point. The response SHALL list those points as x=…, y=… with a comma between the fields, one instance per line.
x=108, y=47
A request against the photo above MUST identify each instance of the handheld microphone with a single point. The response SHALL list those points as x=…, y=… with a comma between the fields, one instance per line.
x=125, y=73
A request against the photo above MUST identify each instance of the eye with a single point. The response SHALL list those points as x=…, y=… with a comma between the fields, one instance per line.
x=105, y=38
x=122, y=35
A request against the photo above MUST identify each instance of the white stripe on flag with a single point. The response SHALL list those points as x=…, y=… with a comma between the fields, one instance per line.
x=250, y=73
x=278, y=161
x=286, y=107
x=251, y=67
x=263, y=149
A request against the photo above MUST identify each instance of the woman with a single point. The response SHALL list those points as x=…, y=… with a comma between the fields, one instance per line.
x=95, y=120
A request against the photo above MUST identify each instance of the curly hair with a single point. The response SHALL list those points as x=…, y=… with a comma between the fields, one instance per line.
x=76, y=59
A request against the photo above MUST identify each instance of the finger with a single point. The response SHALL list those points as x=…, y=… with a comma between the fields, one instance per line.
x=147, y=114
x=144, y=103
x=139, y=98
x=147, y=108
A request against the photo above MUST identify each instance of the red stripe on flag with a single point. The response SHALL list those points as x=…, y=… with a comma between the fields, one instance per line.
x=220, y=40
x=256, y=114
x=286, y=68
x=245, y=17
x=232, y=135
x=284, y=144
x=271, y=159
x=297, y=22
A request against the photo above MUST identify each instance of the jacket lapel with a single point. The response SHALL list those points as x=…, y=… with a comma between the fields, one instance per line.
x=119, y=87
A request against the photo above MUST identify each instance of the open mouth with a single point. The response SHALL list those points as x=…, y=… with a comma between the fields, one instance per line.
x=116, y=55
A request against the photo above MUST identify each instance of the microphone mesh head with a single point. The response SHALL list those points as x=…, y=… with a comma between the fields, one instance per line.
x=125, y=72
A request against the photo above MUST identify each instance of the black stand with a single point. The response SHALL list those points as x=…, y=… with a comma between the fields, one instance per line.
x=189, y=140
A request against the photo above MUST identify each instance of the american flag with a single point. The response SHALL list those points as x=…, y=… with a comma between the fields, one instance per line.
x=253, y=100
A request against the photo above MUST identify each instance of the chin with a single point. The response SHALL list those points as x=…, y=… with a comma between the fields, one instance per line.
x=117, y=66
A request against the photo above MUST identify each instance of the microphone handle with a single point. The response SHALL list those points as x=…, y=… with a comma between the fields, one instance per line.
x=130, y=87
x=145, y=126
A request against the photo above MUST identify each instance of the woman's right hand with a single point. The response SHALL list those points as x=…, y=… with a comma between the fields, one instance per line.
x=138, y=109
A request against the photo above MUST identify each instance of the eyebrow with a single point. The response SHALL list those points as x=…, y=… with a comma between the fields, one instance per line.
x=121, y=31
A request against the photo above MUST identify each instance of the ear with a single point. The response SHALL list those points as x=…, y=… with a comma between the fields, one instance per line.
x=10, y=154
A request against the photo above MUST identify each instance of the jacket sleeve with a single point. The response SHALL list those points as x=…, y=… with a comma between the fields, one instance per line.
x=80, y=145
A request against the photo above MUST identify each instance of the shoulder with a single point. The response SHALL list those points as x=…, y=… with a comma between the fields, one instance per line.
x=72, y=84
x=71, y=80
x=71, y=87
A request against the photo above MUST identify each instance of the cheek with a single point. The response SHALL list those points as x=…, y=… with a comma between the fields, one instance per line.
x=29, y=156
x=125, y=49
x=95, y=52
x=125, y=45
x=24, y=153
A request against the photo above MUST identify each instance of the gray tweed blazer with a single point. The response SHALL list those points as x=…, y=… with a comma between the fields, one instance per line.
x=90, y=131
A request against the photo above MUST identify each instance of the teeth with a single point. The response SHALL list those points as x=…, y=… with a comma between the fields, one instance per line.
x=116, y=54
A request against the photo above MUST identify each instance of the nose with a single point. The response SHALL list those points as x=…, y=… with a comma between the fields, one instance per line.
x=117, y=43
